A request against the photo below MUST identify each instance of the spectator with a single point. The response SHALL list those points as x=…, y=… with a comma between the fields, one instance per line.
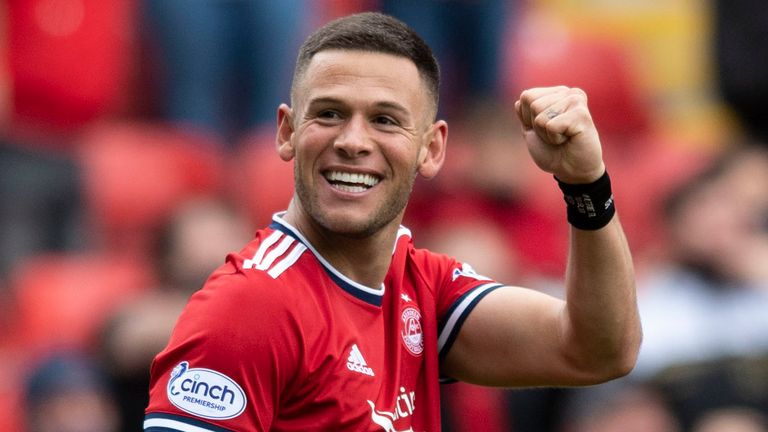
x=709, y=300
x=623, y=405
x=732, y=420
x=703, y=311
x=69, y=392
x=192, y=244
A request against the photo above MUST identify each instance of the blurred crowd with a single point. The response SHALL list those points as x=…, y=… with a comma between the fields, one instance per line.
x=136, y=151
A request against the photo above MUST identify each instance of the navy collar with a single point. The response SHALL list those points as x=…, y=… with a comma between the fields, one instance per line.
x=367, y=294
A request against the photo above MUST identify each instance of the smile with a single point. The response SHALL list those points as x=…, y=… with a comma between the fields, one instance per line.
x=351, y=182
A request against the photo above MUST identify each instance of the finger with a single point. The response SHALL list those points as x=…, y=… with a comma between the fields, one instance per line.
x=559, y=115
x=556, y=128
x=542, y=99
x=551, y=120
x=567, y=125
x=552, y=103
x=532, y=94
x=519, y=112
x=524, y=113
x=533, y=100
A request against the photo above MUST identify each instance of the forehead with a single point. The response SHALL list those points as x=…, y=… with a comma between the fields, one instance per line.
x=362, y=74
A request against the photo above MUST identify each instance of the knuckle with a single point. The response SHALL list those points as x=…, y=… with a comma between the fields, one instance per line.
x=540, y=122
x=579, y=92
x=525, y=95
x=538, y=106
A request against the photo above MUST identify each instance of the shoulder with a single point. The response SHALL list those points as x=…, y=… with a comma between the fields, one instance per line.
x=254, y=292
x=445, y=277
x=407, y=253
x=272, y=252
x=238, y=315
x=243, y=287
x=431, y=267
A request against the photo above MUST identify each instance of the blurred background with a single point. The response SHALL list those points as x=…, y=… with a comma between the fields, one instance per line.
x=136, y=150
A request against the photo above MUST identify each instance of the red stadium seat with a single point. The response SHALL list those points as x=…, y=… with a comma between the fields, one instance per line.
x=539, y=57
x=69, y=61
x=62, y=300
x=136, y=174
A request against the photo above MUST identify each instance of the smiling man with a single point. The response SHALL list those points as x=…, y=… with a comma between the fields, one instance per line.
x=330, y=319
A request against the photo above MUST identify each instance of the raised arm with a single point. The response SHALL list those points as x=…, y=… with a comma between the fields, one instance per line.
x=521, y=337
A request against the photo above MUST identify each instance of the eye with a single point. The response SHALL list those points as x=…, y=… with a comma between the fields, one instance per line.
x=329, y=115
x=385, y=121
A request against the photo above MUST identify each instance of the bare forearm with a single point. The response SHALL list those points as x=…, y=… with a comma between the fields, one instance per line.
x=601, y=322
x=519, y=337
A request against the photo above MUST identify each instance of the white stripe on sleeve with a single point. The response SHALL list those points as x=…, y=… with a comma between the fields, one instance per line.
x=459, y=311
x=174, y=425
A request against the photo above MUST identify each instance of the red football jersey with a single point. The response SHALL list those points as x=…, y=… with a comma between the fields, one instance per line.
x=279, y=340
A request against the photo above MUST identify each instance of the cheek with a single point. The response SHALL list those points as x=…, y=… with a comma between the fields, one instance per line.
x=314, y=140
x=310, y=145
x=402, y=154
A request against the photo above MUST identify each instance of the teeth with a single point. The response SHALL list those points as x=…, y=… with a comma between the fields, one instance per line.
x=353, y=180
x=347, y=188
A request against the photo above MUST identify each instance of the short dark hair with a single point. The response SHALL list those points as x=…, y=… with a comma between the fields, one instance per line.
x=373, y=32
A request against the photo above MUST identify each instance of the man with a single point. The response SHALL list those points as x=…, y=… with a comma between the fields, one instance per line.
x=331, y=319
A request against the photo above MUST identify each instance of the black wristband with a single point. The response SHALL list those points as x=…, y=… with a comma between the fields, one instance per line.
x=590, y=206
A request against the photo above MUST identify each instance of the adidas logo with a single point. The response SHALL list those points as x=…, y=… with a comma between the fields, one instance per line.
x=356, y=362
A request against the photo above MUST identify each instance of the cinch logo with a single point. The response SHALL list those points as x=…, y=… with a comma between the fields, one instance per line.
x=205, y=393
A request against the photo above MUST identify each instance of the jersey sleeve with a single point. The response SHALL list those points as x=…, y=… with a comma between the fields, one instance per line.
x=458, y=290
x=229, y=359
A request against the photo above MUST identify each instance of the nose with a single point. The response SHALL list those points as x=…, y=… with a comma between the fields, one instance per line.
x=354, y=139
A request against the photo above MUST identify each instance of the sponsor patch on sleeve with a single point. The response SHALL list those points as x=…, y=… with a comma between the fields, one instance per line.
x=205, y=393
x=466, y=270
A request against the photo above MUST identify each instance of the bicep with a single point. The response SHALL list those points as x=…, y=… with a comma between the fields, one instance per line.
x=513, y=337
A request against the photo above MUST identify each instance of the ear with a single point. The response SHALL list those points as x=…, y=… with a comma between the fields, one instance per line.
x=432, y=154
x=283, y=141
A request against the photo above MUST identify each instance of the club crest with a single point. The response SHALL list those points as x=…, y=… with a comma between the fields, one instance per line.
x=411, y=332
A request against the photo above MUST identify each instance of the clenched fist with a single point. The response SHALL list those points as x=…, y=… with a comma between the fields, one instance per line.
x=560, y=133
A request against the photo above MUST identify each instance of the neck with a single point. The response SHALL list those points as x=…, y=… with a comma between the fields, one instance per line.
x=364, y=260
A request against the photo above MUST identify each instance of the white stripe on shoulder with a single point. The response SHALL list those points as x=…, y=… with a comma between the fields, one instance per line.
x=263, y=247
x=173, y=425
x=288, y=261
x=460, y=310
x=296, y=233
x=275, y=253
